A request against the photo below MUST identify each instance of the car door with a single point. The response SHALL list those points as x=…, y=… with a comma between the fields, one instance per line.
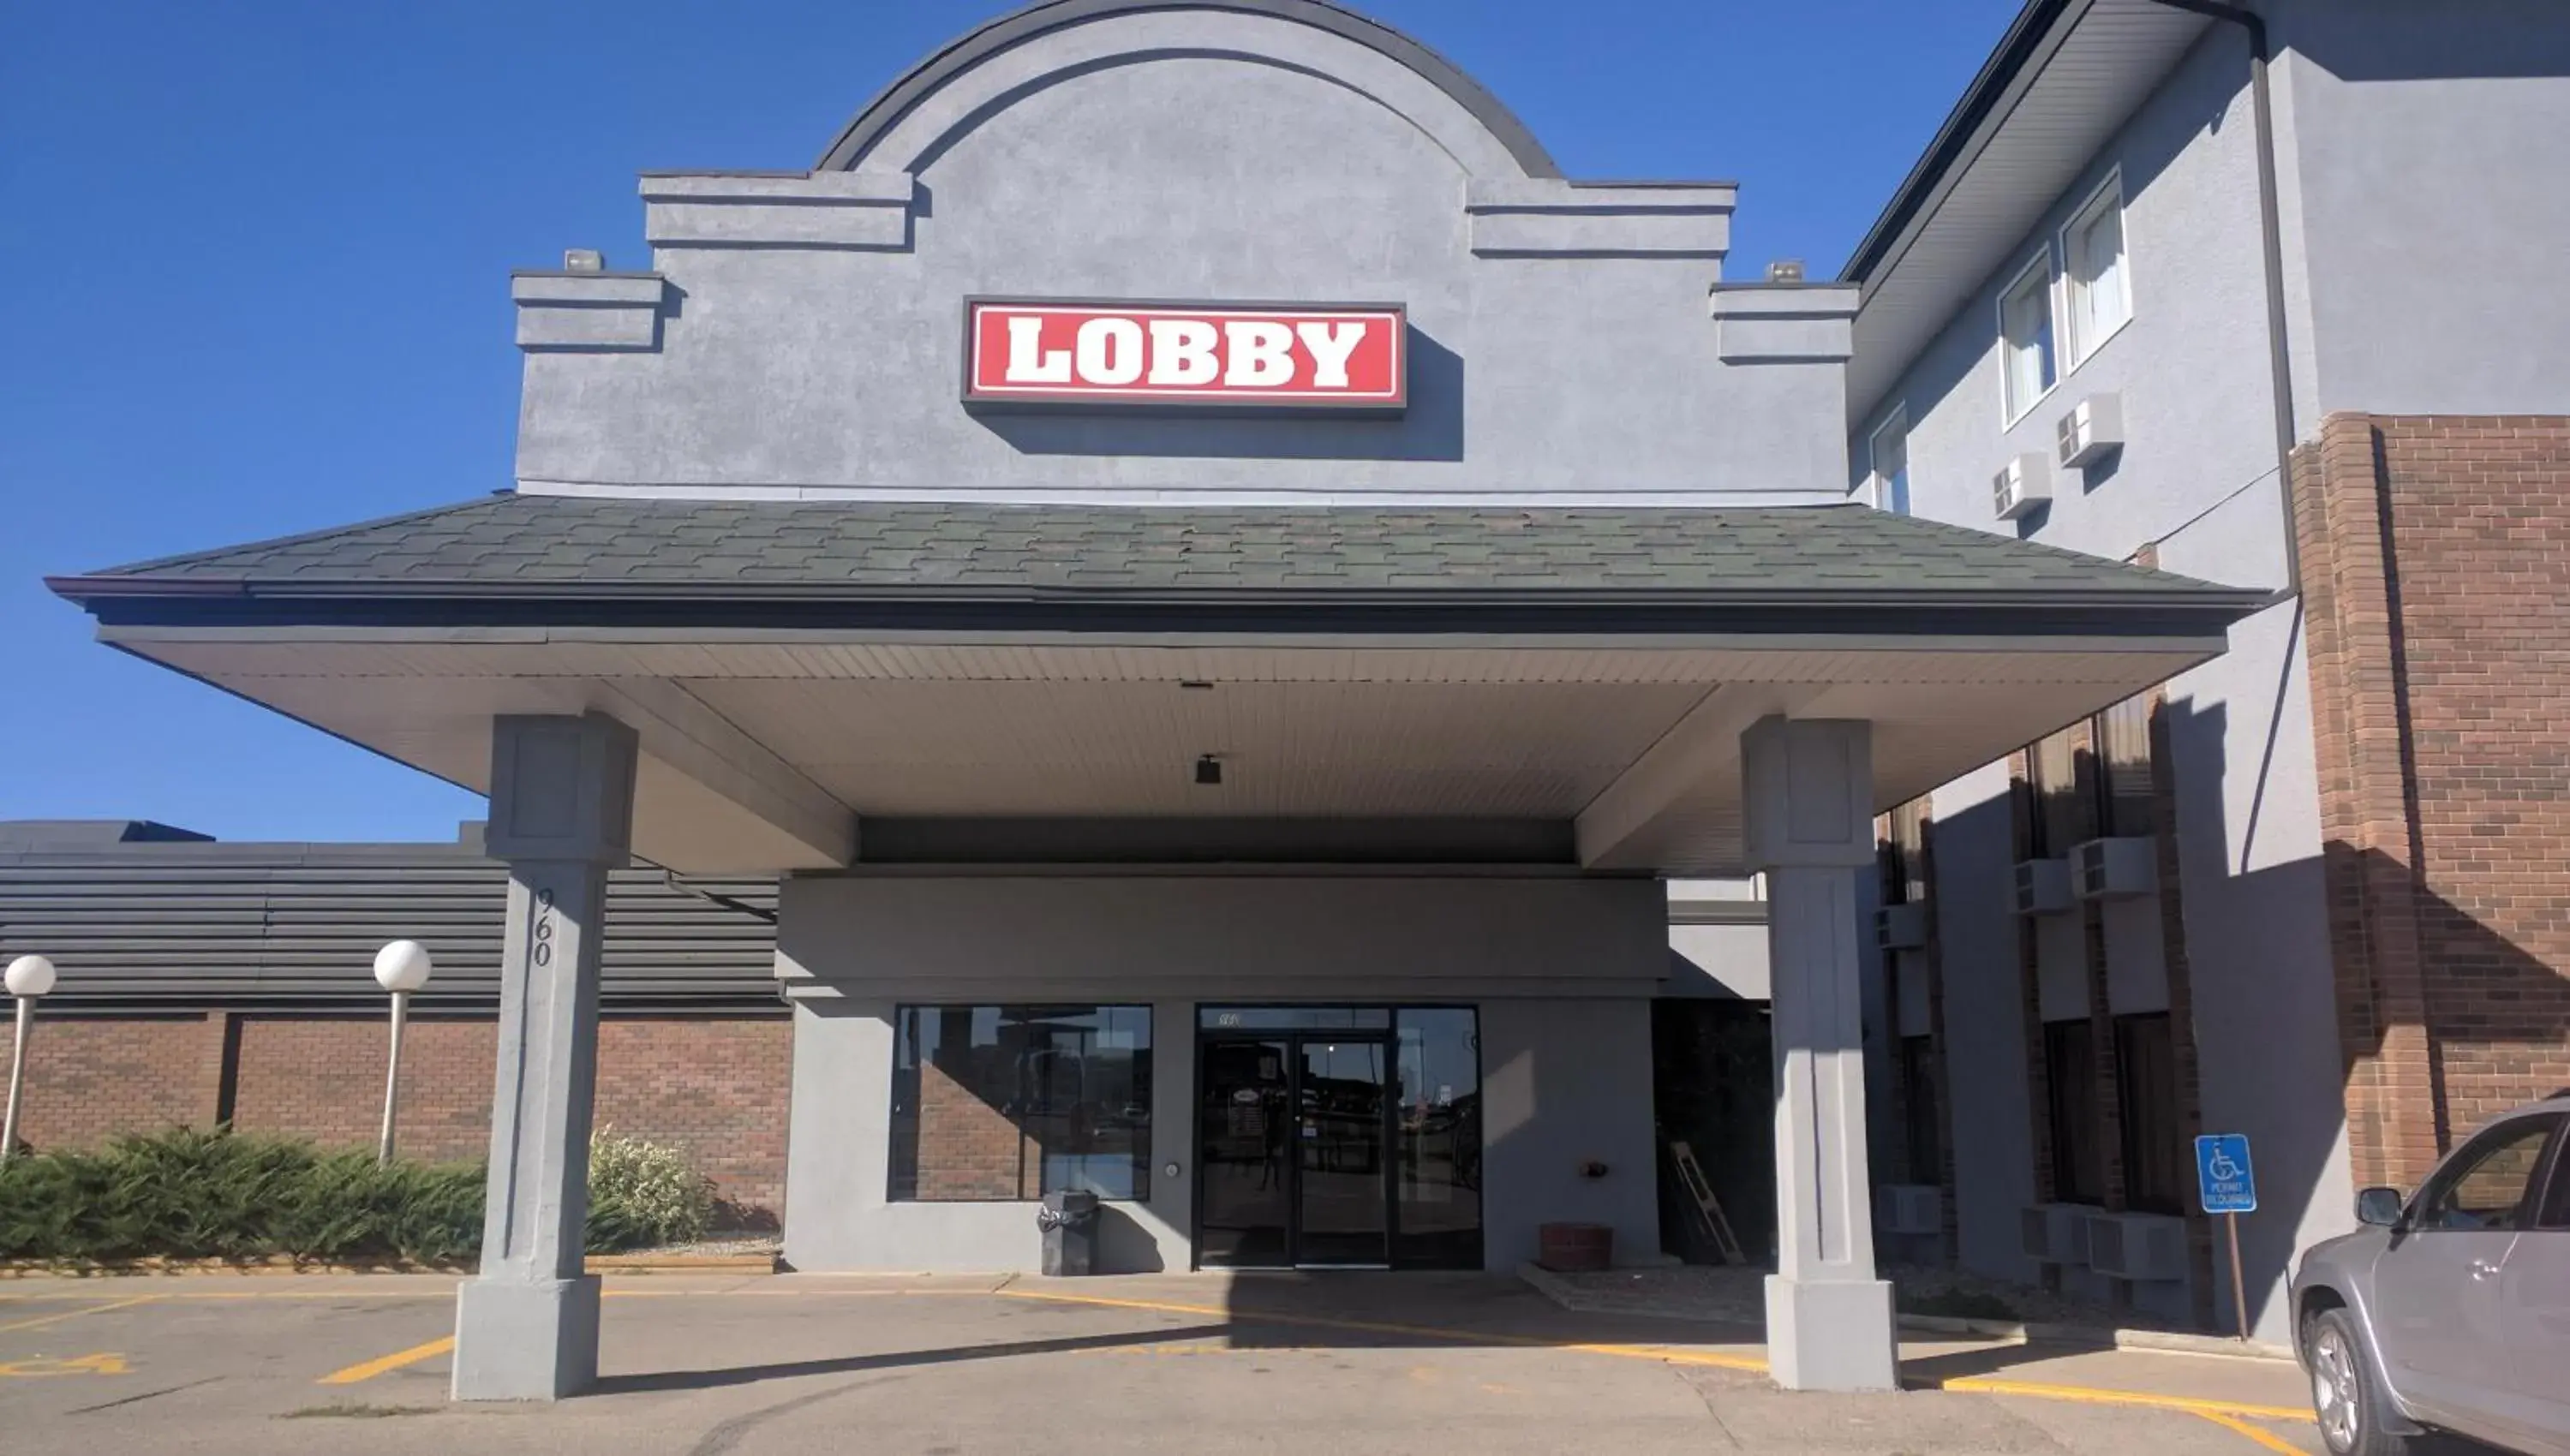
x=2437, y=1306
x=2534, y=1315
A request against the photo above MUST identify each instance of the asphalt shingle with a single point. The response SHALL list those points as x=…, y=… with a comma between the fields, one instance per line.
x=695, y=546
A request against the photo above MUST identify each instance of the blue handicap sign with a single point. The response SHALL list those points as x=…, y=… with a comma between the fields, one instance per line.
x=2222, y=1178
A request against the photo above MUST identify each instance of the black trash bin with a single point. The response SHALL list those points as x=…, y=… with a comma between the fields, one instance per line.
x=1069, y=1224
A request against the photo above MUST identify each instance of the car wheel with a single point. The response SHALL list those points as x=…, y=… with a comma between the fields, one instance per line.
x=2344, y=1397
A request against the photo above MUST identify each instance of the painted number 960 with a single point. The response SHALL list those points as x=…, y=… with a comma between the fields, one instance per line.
x=543, y=932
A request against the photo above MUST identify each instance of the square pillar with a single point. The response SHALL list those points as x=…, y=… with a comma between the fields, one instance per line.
x=561, y=810
x=1808, y=798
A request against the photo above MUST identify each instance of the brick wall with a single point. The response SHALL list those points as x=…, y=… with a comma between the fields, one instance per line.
x=714, y=1087
x=90, y=1077
x=2436, y=579
x=323, y=1078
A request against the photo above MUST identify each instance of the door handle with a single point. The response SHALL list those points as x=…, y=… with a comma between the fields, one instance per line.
x=2482, y=1268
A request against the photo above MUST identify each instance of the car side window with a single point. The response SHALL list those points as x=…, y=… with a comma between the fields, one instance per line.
x=2484, y=1187
x=2554, y=1211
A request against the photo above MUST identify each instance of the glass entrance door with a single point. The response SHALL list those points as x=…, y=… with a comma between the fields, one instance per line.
x=1244, y=1131
x=1337, y=1136
x=1340, y=1141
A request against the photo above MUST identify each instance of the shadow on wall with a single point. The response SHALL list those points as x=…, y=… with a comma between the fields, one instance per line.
x=2280, y=1037
x=1432, y=428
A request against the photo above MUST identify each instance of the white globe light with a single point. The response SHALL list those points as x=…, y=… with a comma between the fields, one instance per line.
x=30, y=975
x=402, y=966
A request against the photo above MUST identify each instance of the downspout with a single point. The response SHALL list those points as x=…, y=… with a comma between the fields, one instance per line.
x=2271, y=234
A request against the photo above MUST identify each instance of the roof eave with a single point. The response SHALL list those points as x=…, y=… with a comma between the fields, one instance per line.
x=347, y=594
x=2022, y=42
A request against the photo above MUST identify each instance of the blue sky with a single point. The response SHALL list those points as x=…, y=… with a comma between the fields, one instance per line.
x=254, y=272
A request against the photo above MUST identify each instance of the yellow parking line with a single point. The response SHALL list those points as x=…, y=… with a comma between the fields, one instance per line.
x=1371, y=1327
x=2267, y=1439
x=2210, y=1409
x=42, y=1321
x=2232, y=1414
x=2093, y=1395
x=394, y=1361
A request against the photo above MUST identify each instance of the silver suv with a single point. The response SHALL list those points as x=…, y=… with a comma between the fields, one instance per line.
x=2451, y=1311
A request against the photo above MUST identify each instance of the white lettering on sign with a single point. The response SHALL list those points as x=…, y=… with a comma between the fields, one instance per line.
x=1027, y=361
x=1263, y=355
x=1182, y=351
x=1331, y=344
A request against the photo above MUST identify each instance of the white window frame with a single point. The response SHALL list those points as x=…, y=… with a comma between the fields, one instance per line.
x=2013, y=410
x=1898, y=417
x=2066, y=331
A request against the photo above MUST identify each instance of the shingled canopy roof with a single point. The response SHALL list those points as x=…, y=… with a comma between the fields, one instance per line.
x=593, y=555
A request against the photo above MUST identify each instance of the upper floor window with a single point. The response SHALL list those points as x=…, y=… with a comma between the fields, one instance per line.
x=1889, y=465
x=2092, y=258
x=2026, y=337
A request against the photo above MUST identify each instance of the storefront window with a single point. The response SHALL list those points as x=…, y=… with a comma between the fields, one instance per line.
x=997, y=1103
x=1440, y=1132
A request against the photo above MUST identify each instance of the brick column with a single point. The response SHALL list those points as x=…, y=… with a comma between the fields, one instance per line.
x=2396, y=1120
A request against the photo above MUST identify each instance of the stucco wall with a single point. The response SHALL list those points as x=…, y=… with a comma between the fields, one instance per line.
x=2420, y=176
x=1206, y=156
x=1561, y=969
x=2198, y=477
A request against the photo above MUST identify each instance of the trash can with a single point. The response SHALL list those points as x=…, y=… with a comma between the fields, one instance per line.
x=1069, y=1224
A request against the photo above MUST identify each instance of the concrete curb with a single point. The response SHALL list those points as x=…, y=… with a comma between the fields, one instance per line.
x=620, y=1263
x=1569, y=1296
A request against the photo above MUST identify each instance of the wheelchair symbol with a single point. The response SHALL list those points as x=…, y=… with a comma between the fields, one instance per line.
x=2222, y=1168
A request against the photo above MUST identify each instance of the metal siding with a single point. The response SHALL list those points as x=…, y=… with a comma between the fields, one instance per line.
x=215, y=924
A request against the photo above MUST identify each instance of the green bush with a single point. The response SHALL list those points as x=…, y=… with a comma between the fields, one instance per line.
x=187, y=1193
x=642, y=1194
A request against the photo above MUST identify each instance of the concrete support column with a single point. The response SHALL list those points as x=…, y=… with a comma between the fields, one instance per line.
x=562, y=807
x=1808, y=793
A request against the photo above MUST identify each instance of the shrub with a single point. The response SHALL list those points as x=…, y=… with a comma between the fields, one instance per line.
x=185, y=1193
x=189, y=1193
x=642, y=1194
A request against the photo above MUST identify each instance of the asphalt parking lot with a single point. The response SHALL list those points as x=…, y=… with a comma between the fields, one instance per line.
x=949, y=1366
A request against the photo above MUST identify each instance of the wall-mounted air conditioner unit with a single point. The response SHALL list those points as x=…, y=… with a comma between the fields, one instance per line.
x=1909, y=1208
x=2093, y=430
x=2056, y=1233
x=2148, y=1248
x=2113, y=869
x=1900, y=927
x=2021, y=485
x=2044, y=888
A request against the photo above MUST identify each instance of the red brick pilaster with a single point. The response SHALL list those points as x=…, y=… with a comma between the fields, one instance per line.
x=2351, y=595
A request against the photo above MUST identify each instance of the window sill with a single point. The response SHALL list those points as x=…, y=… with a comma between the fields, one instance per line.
x=2012, y=421
x=2093, y=350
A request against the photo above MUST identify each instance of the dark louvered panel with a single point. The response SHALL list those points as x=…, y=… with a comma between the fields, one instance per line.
x=208, y=924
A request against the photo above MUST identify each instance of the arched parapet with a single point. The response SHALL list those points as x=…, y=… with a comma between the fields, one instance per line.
x=929, y=108
x=810, y=334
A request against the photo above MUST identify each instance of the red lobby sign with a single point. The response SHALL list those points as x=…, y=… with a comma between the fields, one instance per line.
x=1258, y=356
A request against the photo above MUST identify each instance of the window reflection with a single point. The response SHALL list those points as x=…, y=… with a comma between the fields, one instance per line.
x=1014, y=1102
x=1438, y=1177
